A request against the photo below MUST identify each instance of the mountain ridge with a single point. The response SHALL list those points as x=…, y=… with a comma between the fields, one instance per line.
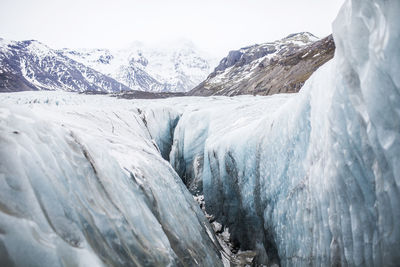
x=173, y=67
x=31, y=65
x=281, y=66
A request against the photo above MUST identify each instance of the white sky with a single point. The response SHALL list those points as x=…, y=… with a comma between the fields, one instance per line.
x=214, y=26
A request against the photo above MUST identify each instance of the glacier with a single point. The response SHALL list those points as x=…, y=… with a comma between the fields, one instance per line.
x=315, y=181
x=306, y=179
x=84, y=184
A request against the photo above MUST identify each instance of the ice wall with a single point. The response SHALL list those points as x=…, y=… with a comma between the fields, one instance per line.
x=208, y=117
x=82, y=183
x=316, y=181
x=160, y=121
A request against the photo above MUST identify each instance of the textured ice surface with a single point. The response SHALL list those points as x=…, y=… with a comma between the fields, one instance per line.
x=82, y=183
x=85, y=181
x=210, y=120
x=316, y=181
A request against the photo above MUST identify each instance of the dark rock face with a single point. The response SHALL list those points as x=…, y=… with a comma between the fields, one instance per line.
x=13, y=82
x=232, y=58
x=134, y=94
x=30, y=65
x=279, y=67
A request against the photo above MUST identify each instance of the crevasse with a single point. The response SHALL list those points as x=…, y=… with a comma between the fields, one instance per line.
x=83, y=183
x=316, y=180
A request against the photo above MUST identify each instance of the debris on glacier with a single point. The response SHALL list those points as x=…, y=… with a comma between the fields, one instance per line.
x=230, y=253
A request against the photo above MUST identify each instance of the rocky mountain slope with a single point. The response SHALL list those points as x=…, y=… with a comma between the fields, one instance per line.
x=31, y=65
x=277, y=67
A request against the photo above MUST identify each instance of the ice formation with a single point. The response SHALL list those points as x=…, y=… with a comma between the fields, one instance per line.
x=303, y=179
x=83, y=183
x=315, y=181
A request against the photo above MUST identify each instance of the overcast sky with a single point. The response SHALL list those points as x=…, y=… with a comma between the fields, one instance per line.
x=216, y=26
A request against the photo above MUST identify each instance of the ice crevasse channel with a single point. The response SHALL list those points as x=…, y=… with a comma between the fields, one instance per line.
x=83, y=183
x=315, y=181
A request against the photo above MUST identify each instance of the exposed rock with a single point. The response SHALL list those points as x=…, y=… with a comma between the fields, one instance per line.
x=31, y=65
x=134, y=94
x=279, y=67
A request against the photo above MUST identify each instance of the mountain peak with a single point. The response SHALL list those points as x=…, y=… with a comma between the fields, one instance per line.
x=176, y=66
x=305, y=37
x=268, y=68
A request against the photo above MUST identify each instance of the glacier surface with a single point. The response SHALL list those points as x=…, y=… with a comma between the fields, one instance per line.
x=304, y=179
x=316, y=180
x=83, y=183
x=319, y=176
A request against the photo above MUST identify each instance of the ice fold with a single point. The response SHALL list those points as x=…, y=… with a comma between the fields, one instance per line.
x=315, y=181
x=84, y=184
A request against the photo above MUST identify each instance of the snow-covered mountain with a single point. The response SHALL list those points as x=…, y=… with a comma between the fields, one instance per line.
x=31, y=65
x=276, y=67
x=167, y=67
x=170, y=67
x=281, y=66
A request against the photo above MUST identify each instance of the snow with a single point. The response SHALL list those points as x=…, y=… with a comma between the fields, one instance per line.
x=4, y=46
x=39, y=49
x=175, y=66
